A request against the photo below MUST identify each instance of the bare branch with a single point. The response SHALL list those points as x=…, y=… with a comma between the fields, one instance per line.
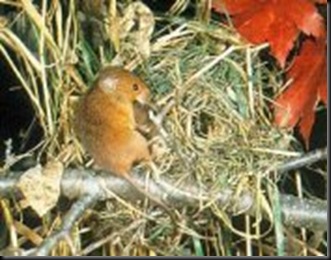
x=86, y=188
x=77, y=183
x=306, y=159
x=69, y=220
x=311, y=214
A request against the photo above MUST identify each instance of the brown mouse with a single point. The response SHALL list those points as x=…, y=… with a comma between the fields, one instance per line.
x=107, y=122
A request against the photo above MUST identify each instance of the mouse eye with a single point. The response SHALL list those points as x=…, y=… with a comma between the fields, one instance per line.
x=135, y=87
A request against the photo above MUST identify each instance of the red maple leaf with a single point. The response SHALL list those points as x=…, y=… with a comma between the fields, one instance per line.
x=278, y=22
x=309, y=86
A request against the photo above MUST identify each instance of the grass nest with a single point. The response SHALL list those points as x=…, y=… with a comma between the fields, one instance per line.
x=219, y=132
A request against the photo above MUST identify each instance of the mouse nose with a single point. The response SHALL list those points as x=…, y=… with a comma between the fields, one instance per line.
x=144, y=97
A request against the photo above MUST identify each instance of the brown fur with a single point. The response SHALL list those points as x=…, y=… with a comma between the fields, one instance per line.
x=106, y=123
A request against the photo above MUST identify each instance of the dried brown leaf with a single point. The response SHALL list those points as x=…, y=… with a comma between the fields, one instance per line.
x=41, y=187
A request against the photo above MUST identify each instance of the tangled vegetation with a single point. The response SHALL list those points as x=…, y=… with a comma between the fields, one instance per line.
x=219, y=132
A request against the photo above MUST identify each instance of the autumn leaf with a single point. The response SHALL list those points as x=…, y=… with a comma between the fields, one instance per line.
x=40, y=187
x=278, y=22
x=297, y=103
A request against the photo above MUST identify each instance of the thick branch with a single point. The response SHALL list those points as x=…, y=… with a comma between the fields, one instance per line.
x=77, y=183
x=86, y=188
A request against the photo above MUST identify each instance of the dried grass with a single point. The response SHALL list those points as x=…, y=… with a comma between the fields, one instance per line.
x=219, y=132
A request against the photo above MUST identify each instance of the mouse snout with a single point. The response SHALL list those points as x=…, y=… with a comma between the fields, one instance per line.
x=143, y=97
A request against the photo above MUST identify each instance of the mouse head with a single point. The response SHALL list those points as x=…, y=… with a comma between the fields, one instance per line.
x=117, y=80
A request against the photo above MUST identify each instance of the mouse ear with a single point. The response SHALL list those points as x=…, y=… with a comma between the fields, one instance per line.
x=108, y=84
